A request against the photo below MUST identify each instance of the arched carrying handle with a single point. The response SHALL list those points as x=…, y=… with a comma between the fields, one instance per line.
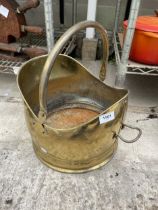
x=55, y=52
x=132, y=140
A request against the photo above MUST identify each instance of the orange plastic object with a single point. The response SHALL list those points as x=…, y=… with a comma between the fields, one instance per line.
x=144, y=47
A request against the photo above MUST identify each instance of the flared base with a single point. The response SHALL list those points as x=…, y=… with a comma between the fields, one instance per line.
x=84, y=170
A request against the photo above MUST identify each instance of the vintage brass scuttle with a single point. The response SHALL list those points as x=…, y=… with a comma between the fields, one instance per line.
x=65, y=107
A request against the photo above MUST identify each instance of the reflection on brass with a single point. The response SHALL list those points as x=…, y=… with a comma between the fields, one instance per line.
x=62, y=108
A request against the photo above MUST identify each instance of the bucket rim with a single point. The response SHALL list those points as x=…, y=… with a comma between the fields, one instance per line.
x=82, y=124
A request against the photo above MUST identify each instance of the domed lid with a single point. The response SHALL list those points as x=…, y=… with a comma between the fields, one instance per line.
x=146, y=23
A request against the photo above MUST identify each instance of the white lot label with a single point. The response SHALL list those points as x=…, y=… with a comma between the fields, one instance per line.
x=106, y=117
x=4, y=11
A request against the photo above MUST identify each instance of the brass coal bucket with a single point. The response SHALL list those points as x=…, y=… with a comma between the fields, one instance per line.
x=74, y=118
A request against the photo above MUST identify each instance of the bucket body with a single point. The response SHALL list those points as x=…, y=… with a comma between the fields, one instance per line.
x=77, y=144
x=74, y=118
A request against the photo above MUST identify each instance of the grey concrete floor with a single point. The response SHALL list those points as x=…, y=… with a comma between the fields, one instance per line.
x=128, y=181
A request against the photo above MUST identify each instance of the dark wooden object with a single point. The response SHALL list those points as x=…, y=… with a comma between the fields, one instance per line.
x=156, y=12
x=14, y=25
x=10, y=27
x=28, y=5
x=32, y=29
x=29, y=51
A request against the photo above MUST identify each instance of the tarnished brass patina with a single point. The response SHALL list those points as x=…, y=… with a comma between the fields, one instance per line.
x=63, y=103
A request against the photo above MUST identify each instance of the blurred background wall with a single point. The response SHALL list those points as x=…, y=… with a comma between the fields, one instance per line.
x=105, y=12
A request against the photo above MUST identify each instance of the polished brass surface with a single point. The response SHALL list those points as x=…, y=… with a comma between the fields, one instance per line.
x=69, y=136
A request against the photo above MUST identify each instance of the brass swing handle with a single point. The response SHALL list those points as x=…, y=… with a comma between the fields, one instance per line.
x=132, y=140
x=55, y=52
